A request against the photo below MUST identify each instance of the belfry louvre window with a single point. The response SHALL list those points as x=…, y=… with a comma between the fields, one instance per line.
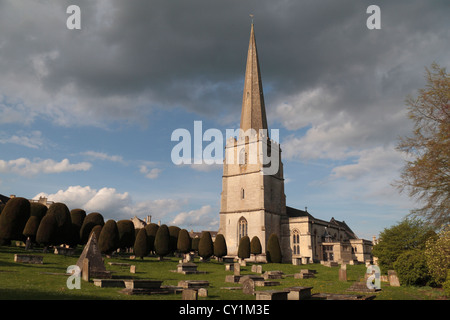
x=242, y=228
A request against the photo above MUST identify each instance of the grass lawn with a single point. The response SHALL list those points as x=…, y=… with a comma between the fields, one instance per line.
x=20, y=281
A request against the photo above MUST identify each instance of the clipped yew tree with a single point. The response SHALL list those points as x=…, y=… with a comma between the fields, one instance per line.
x=205, y=246
x=37, y=212
x=126, y=233
x=255, y=246
x=184, y=241
x=220, y=246
x=13, y=219
x=141, y=249
x=97, y=229
x=108, y=241
x=151, y=229
x=63, y=222
x=273, y=249
x=77, y=216
x=162, y=241
x=46, y=232
x=244, y=248
x=194, y=245
x=173, y=234
x=92, y=219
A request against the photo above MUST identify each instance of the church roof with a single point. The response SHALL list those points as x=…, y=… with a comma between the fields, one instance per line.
x=253, y=115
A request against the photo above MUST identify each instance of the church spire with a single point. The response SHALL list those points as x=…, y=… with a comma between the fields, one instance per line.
x=253, y=110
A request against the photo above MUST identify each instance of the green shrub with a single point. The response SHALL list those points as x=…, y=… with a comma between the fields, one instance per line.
x=244, y=248
x=91, y=220
x=184, y=241
x=140, y=245
x=437, y=253
x=273, y=249
x=126, y=233
x=205, y=246
x=108, y=240
x=255, y=246
x=162, y=241
x=411, y=268
x=446, y=285
x=152, y=229
x=220, y=246
x=13, y=219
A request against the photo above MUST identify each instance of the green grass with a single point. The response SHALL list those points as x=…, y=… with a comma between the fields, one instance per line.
x=27, y=281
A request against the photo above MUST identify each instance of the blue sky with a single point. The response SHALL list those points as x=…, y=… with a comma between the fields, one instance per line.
x=86, y=116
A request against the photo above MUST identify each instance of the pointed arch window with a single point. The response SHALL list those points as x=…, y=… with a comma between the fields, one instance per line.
x=242, y=157
x=296, y=242
x=242, y=228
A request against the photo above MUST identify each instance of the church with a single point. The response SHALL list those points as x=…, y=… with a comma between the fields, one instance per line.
x=253, y=202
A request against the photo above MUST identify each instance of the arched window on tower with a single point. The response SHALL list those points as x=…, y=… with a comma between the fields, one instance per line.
x=242, y=193
x=242, y=228
x=296, y=242
x=242, y=157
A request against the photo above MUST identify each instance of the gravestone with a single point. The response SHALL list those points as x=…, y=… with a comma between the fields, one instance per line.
x=257, y=268
x=248, y=286
x=393, y=278
x=133, y=269
x=342, y=274
x=189, y=294
x=203, y=292
x=92, y=253
x=28, y=258
x=237, y=269
x=85, y=274
x=299, y=293
x=229, y=267
x=271, y=295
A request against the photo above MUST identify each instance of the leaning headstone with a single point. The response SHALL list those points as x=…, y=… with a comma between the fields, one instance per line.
x=92, y=253
x=393, y=278
x=248, y=286
x=189, y=294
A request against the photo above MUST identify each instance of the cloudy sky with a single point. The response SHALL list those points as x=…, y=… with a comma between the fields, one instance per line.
x=86, y=116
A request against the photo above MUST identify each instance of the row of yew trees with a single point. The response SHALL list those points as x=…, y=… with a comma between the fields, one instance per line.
x=23, y=220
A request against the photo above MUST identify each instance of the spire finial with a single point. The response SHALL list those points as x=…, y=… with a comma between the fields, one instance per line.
x=251, y=16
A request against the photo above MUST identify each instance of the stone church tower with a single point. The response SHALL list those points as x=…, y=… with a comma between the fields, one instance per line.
x=253, y=202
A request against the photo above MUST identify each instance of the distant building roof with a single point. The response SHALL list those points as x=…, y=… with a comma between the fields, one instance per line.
x=3, y=199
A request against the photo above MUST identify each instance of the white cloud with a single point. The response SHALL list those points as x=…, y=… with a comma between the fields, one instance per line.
x=113, y=204
x=150, y=174
x=103, y=156
x=203, y=217
x=33, y=139
x=27, y=167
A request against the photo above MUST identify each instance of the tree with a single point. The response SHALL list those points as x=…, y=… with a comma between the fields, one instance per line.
x=77, y=216
x=126, y=233
x=37, y=212
x=45, y=234
x=152, y=229
x=108, y=241
x=220, y=246
x=426, y=175
x=63, y=222
x=13, y=219
x=205, y=246
x=273, y=249
x=140, y=245
x=91, y=220
x=244, y=248
x=409, y=234
x=195, y=242
x=255, y=246
x=97, y=229
x=162, y=241
x=173, y=232
x=437, y=253
x=184, y=241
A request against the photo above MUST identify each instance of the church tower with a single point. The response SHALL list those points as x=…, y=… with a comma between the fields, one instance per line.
x=253, y=202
